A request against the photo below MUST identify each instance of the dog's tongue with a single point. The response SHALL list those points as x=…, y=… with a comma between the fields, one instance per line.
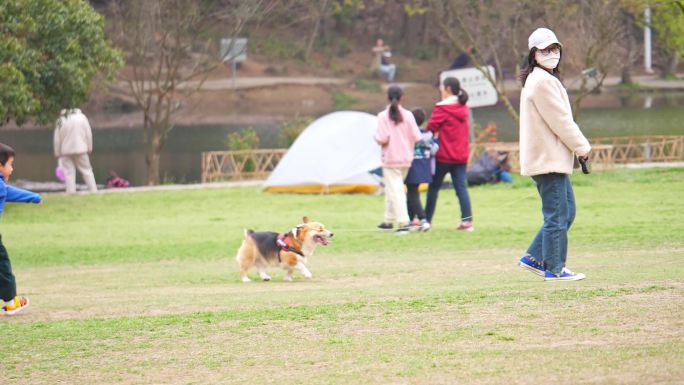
x=321, y=240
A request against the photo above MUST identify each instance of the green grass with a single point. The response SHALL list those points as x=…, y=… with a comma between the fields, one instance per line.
x=342, y=101
x=367, y=85
x=143, y=288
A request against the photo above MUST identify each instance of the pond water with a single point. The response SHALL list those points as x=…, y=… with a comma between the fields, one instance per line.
x=121, y=149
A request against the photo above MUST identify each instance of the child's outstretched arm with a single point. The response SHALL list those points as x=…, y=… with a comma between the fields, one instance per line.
x=16, y=194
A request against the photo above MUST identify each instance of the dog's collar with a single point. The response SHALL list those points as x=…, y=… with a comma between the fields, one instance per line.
x=284, y=246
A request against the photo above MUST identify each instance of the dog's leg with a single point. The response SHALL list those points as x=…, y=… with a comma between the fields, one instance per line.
x=262, y=273
x=245, y=258
x=244, y=267
x=288, y=275
x=303, y=269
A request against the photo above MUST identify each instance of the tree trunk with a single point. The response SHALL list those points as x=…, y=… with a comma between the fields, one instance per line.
x=152, y=154
x=670, y=68
x=630, y=54
x=152, y=160
x=314, y=33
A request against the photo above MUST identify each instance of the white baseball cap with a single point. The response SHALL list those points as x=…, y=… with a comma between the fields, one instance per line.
x=542, y=38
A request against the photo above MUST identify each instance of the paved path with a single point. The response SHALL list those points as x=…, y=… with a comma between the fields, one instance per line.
x=253, y=82
x=646, y=81
x=59, y=188
x=256, y=183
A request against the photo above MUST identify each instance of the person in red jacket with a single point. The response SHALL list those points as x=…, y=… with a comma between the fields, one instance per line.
x=449, y=123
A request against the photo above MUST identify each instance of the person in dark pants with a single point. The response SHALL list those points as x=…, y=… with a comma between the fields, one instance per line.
x=11, y=303
x=449, y=122
x=421, y=171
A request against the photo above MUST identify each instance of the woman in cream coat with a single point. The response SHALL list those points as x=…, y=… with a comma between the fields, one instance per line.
x=549, y=141
x=73, y=142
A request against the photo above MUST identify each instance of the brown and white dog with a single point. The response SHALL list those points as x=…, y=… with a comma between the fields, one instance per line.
x=290, y=250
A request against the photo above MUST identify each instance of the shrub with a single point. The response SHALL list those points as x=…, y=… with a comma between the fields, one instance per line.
x=368, y=85
x=343, y=47
x=244, y=140
x=290, y=130
x=424, y=53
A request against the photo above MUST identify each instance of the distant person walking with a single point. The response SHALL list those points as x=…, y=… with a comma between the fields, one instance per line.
x=73, y=142
x=11, y=302
x=449, y=122
x=397, y=133
x=549, y=140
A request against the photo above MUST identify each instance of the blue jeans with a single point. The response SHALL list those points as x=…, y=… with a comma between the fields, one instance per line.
x=501, y=175
x=389, y=70
x=550, y=246
x=458, y=178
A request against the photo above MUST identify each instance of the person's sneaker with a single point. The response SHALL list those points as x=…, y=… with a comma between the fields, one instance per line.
x=385, y=226
x=425, y=226
x=465, y=226
x=566, y=275
x=531, y=265
x=415, y=222
x=405, y=229
x=18, y=305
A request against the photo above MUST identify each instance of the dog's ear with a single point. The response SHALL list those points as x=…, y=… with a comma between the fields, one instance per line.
x=305, y=219
x=295, y=231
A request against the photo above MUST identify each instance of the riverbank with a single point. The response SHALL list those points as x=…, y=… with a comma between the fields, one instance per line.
x=251, y=100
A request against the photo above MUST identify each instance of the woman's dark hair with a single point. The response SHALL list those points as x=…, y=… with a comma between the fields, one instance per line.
x=455, y=87
x=418, y=115
x=394, y=93
x=531, y=63
x=6, y=152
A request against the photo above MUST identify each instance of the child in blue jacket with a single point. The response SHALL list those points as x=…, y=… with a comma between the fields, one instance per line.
x=11, y=302
x=421, y=171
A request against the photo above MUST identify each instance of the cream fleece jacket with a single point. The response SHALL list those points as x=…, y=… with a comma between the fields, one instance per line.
x=73, y=134
x=548, y=134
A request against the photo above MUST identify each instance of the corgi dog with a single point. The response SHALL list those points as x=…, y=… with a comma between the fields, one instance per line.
x=290, y=250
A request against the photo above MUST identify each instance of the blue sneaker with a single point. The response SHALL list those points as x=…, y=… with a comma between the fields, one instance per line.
x=566, y=275
x=531, y=265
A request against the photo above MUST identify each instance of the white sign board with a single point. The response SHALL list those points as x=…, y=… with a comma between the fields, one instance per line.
x=480, y=91
x=234, y=50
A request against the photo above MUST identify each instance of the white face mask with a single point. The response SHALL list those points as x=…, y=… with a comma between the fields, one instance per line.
x=548, y=61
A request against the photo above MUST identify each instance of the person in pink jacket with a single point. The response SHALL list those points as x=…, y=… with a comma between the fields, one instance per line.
x=397, y=134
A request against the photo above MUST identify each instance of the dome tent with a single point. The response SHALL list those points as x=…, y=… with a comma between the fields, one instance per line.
x=333, y=154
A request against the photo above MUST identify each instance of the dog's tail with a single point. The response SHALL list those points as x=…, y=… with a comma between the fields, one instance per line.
x=248, y=232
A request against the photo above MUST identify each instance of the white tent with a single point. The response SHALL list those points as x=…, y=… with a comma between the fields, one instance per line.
x=333, y=154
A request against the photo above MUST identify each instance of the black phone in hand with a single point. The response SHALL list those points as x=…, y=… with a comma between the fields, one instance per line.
x=585, y=164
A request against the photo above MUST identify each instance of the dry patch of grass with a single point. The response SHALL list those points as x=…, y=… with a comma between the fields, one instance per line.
x=451, y=321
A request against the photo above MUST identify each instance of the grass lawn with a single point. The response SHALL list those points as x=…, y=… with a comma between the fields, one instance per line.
x=136, y=288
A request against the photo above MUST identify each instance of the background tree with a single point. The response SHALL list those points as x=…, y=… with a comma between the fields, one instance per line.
x=602, y=27
x=499, y=31
x=668, y=23
x=496, y=29
x=170, y=48
x=50, y=53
